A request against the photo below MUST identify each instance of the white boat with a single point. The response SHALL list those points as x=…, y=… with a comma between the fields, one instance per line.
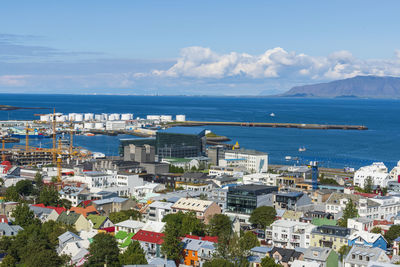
x=288, y=157
x=272, y=114
x=302, y=149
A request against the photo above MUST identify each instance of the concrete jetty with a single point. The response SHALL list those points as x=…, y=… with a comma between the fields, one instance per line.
x=273, y=125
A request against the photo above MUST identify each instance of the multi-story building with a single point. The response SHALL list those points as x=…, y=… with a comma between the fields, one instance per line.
x=365, y=238
x=333, y=237
x=150, y=242
x=291, y=200
x=251, y=160
x=362, y=256
x=158, y=209
x=366, y=207
x=204, y=209
x=242, y=200
x=389, y=206
x=289, y=234
x=261, y=178
x=197, y=250
x=377, y=172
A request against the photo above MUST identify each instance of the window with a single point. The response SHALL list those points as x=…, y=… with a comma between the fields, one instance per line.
x=353, y=256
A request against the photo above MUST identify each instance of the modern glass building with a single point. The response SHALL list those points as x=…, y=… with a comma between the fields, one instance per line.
x=180, y=142
x=135, y=141
x=246, y=198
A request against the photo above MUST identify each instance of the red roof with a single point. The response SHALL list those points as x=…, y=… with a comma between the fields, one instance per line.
x=59, y=210
x=149, y=237
x=109, y=229
x=365, y=194
x=382, y=222
x=213, y=239
x=3, y=219
x=85, y=203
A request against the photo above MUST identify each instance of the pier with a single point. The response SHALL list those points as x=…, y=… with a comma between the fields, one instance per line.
x=273, y=125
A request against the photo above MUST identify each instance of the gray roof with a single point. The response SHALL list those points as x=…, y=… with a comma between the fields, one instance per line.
x=317, y=253
x=67, y=236
x=40, y=210
x=196, y=245
x=335, y=197
x=9, y=230
x=374, y=253
x=110, y=200
x=161, y=205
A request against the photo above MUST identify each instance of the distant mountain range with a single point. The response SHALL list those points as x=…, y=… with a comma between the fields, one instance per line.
x=359, y=86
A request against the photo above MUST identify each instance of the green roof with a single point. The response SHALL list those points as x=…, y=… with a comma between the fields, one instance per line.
x=177, y=160
x=121, y=235
x=127, y=241
x=323, y=221
x=97, y=220
x=69, y=219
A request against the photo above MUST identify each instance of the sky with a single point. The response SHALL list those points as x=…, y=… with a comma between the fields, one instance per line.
x=193, y=47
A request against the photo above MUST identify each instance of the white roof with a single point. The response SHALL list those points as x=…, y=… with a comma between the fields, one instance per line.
x=192, y=204
x=368, y=237
x=152, y=226
x=160, y=205
x=287, y=223
x=130, y=224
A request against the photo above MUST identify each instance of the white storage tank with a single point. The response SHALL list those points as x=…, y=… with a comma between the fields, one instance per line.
x=88, y=125
x=166, y=118
x=98, y=117
x=153, y=117
x=61, y=118
x=99, y=125
x=71, y=116
x=89, y=116
x=126, y=117
x=180, y=118
x=78, y=117
x=45, y=118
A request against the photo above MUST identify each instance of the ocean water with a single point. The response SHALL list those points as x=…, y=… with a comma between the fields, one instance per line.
x=332, y=148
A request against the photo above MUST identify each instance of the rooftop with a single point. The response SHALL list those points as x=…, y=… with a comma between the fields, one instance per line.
x=184, y=130
x=149, y=237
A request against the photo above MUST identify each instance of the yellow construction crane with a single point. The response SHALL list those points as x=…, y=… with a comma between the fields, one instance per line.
x=3, y=155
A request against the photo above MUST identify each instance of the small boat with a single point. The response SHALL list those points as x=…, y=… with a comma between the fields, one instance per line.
x=288, y=157
x=90, y=134
x=272, y=114
x=302, y=149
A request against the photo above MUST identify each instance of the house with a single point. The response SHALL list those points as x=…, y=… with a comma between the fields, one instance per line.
x=285, y=256
x=99, y=222
x=360, y=224
x=89, y=210
x=300, y=263
x=73, y=194
x=291, y=200
x=75, y=219
x=124, y=238
x=366, y=207
x=44, y=213
x=65, y=238
x=74, y=246
x=114, y=204
x=158, y=209
x=329, y=236
x=151, y=226
x=377, y=172
x=204, y=209
x=325, y=257
x=362, y=255
x=129, y=226
x=257, y=254
x=289, y=234
x=9, y=230
x=150, y=242
x=396, y=246
x=197, y=250
x=364, y=238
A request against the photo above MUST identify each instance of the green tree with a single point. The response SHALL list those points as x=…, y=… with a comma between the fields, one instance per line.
x=263, y=216
x=23, y=216
x=133, y=255
x=384, y=191
x=171, y=246
x=343, y=251
x=65, y=203
x=392, y=233
x=38, y=180
x=248, y=241
x=269, y=262
x=12, y=194
x=8, y=261
x=218, y=263
x=24, y=187
x=190, y=224
x=328, y=181
x=368, y=185
x=43, y=258
x=52, y=230
x=349, y=212
x=49, y=196
x=124, y=215
x=376, y=230
x=103, y=250
x=220, y=225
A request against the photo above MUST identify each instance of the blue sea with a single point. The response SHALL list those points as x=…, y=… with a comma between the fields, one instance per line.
x=332, y=148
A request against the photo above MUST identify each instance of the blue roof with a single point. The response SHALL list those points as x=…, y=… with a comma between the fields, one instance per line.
x=261, y=249
x=291, y=194
x=397, y=239
x=109, y=200
x=184, y=130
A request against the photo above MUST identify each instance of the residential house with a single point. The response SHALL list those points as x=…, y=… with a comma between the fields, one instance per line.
x=291, y=200
x=129, y=226
x=364, y=238
x=396, y=246
x=151, y=226
x=366, y=207
x=197, y=250
x=360, y=256
x=74, y=194
x=389, y=206
x=46, y=213
x=360, y=224
x=204, y=209
x=289, y=234
x=75, y=219
x=89, y=210
x=9, y=230
x=329, y=236
x=300, y=263
x=114, y=204
x=73, y=246
x=99, y=222
x=158, y=209
x=257, y=254
x=150, y=242
x=377, y=172
x=325, y=257
x=285, y=256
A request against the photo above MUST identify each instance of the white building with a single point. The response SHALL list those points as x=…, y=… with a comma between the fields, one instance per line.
x=290, y=234
x=366, y=207
x=260, y=178
x=115, y=125
x=395, y=172
x=389, y=206
x=253, y=161
x=129, y=226
x=220, y=171
x=158, y=209
x=377, y=172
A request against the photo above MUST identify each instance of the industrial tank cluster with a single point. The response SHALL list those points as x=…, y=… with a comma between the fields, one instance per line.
x=104, y=117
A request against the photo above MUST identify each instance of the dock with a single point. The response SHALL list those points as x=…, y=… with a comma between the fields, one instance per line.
x=273, y=125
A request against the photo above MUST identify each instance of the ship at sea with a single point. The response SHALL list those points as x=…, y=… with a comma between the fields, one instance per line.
x=21, y=132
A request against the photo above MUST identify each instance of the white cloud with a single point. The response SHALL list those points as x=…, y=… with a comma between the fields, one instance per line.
x=200, y=62
x=13, y=80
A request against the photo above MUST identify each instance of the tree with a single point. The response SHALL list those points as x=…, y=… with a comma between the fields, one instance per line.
x=171, y=246
x=192, y=225
x=43, y=258
x=248, y=241
x=269, y=262
x=218, y=263
x=376, y=230
x=343, y=251
x=24, y=187
x=23, y=216
x=103, y=250
x=368, y=185
x=328, y=181
x=133, y=255
x=8, y=261
x=49, y=196
x=392, y=233
x=263, y=216
x=12, y=194
x=220, y=225
x=349, y=212
x=124, y=215
x=65, y=203
x=38, y=180
x=384, y=191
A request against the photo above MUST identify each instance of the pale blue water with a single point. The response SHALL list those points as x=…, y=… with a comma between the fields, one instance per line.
x=333, y=148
